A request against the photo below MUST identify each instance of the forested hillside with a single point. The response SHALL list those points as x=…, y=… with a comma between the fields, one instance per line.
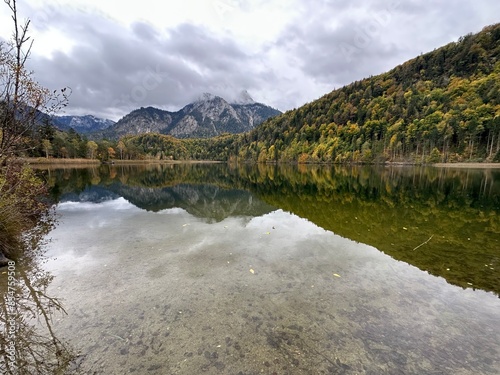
x=440, y=106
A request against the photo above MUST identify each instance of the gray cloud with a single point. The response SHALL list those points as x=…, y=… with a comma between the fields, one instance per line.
x=113, y=69
x=347, y=41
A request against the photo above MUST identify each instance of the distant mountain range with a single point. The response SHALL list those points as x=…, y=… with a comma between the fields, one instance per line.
x=208, y=116
x=81, y=124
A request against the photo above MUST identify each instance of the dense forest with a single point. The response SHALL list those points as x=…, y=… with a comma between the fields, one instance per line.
x=442, y=106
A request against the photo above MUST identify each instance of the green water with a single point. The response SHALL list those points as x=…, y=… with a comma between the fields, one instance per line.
x=191, y=269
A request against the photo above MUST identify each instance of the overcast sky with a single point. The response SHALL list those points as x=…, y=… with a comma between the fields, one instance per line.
x=117, y=56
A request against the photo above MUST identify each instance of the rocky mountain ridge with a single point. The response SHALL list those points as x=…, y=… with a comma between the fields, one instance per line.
x=208, y=116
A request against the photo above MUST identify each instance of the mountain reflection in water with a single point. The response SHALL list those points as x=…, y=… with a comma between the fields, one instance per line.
x=444, y=221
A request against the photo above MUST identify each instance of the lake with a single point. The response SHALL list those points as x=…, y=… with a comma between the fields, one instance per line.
x=217, y=269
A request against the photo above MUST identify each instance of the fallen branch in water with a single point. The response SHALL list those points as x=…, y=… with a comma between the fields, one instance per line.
x=118, y=337
x=423, y=243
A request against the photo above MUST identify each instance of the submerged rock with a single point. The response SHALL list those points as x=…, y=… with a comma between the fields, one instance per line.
x=3, y=260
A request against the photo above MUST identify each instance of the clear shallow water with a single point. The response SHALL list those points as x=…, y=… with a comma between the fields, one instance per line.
x=209, y=279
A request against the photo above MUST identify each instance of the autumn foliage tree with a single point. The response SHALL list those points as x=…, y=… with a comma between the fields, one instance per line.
x=22, y=98
x=22, y=209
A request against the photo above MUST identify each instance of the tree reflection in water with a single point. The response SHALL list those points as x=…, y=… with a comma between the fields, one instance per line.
x=26, y=322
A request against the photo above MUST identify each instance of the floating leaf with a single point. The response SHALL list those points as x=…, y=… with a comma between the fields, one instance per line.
x=336, y=275
x=268, y=233
x=185, y=225
x=251, y=270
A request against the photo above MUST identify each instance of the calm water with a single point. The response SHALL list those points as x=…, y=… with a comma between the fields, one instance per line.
x=194, y=269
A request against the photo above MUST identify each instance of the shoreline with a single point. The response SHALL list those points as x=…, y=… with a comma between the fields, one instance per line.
x=72, y=162
x=468, y=165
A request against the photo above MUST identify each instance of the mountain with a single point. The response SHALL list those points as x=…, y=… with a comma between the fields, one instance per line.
x=140, y=121
x=440, y=106
x=81, y=124
x=208, y=116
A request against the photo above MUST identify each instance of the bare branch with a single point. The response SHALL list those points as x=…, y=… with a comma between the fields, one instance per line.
x=21, y=98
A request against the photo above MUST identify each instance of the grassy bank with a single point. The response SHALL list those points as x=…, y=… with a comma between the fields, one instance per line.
x=155, y=161
x=52, y=161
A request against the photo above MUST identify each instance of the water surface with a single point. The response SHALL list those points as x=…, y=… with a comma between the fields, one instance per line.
x=278, y=270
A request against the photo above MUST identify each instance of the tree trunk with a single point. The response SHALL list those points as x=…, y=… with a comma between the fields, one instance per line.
x=498, y=142
x=445, y=150
x=488, y=142
x=491, y=146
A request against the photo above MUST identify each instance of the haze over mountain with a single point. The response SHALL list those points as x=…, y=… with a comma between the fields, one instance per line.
x=81, y=124
x=208, y=116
